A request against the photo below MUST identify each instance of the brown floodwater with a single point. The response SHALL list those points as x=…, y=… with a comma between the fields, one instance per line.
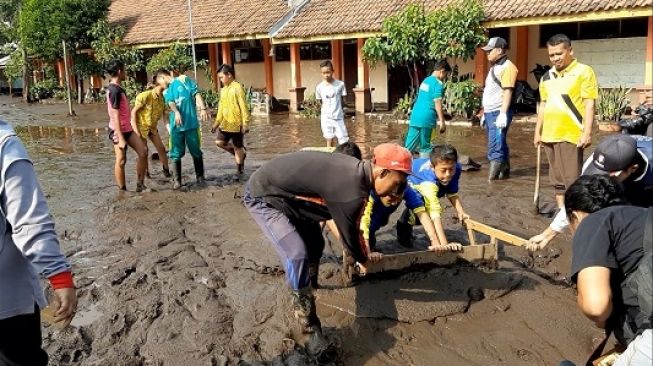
x=167, y=277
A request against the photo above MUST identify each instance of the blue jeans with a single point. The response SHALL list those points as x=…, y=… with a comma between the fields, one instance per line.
x=497, y=139
x=297, y=242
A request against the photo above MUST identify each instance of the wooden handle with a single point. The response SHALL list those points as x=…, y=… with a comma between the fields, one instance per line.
x=495, y=233
x=536, y=195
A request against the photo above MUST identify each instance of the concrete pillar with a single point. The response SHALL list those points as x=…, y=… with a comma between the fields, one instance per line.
x=645, y=93
x=336, y=58
x=268, y=64
x=213, y=65
x=61, y=73
x=522, y=53
x=480, y=66
x=362, y=90
x=296, y=88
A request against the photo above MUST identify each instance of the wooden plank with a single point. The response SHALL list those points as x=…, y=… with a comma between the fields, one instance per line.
x=470, y=253
x=495, y=233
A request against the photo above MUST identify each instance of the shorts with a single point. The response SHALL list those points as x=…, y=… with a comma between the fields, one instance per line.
x=147, y=131
x=236, y=138
x=565, y=164
x=334, y=128
x=114, y=138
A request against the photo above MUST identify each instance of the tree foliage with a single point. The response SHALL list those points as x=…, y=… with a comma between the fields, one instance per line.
x=13, y=70
x=176, y=57
x=9, y=19
x=107, y=45
x=44, y=24
x=416, y=36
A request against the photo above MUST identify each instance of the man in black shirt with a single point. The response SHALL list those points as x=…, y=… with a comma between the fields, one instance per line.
x=289, y=196
x=608, y=249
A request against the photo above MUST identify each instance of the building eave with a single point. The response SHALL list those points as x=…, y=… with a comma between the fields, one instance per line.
x=579, y=17
x=202, y=40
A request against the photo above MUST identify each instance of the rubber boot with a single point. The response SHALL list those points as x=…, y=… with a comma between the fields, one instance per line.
x=166, y=172
x=405, y=234
x=176, y=174
x=303, y=302
x=306, y=312
x=313, y=274
x=199, y=171
x=495, y=168
x=504, y=172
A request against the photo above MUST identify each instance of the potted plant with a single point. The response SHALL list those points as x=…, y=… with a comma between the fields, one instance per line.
x=611, y=105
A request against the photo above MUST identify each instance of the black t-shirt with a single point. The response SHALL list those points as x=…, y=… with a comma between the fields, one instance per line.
x=115, y=95
x=612, y=238
x=317, y=186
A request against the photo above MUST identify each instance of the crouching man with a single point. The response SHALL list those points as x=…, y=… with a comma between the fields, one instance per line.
x=291, y=195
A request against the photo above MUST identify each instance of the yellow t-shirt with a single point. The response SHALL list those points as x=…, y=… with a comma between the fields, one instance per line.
x=563, y=93
x=151, y=112
x=232, y=108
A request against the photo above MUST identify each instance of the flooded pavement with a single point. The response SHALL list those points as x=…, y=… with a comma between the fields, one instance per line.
x=171, y=278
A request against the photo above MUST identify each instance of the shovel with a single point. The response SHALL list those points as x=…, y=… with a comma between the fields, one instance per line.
x=536, y=195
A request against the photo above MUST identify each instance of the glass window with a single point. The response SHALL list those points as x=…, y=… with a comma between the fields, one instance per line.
x=281, y=53
x=549, y=30
x=500, y=32
x=599, y=30
x=634, y=27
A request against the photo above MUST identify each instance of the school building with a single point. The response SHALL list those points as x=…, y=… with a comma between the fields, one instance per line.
x=277, y=45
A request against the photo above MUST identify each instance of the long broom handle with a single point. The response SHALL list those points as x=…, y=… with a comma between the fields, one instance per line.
x=536, y=195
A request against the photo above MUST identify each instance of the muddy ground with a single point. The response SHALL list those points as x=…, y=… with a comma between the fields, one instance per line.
x=186, y=278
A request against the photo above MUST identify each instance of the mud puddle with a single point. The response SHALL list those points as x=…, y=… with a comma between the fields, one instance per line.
x=170, y=278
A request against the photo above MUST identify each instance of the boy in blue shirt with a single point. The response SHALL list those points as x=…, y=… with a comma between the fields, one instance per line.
x=433, y=177
x=427, y=111
x=378, y=211
x=184, y=99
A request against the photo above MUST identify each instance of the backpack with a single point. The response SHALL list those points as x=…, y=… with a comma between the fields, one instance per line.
x=637, y=288
x=517, y=92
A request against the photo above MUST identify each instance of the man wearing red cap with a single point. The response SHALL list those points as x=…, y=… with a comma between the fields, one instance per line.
x=288, y=198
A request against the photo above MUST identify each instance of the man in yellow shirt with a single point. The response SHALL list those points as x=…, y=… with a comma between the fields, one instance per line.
x=232, y=120
x=148, y=110
x=566, y=114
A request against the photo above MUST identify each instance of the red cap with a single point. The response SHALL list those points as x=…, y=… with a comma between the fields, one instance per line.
x=393, y=157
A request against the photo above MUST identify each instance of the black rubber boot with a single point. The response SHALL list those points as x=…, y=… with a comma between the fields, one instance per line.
x=313, y=274
x=504, y=172
x=166, y=173
x=303, y=302
x=495, y=168
x=199, y=171
x=405, y=234
x=176, y=174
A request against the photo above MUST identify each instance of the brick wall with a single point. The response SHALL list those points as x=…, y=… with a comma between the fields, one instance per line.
x=616, y=62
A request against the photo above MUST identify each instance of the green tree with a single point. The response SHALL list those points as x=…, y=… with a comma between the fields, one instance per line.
x=176, y=57
x=44, y=24
x=107, y=45
x=84, y=66
x=9, y=24
x=415, y=37
x=14, y=69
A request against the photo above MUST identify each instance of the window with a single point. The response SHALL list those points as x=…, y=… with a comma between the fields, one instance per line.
x=500, y=32
x=605, y=29
x=202, y=51
x=307, y=51
x=598, y=30
x=549, y=30
x=248, y=51
x=281, y=53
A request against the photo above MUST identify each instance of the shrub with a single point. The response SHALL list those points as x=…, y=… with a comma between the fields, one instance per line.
x=462, y=98
x=612, y=103
x=211, y=97
x=311, y=107
x=402, y=109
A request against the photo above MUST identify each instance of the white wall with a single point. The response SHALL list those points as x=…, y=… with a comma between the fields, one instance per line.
x=251, y=74
x=617, y=61
x=281, y=72
x=379, y=81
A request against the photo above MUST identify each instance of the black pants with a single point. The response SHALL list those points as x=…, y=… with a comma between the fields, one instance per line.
x=20, y=341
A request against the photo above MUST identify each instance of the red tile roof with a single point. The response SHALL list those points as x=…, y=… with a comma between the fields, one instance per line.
x=165, y=21
x=150, y=22
x=325, y=17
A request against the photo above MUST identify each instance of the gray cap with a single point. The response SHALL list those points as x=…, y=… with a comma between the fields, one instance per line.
x=495, y=42
x=614, y=154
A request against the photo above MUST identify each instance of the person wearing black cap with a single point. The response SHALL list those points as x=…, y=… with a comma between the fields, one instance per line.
x=497, y=112
x=627, y=158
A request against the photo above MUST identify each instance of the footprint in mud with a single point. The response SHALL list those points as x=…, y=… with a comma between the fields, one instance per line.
x=529, y=356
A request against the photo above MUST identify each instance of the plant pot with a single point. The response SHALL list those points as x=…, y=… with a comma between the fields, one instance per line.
x=609, y=127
